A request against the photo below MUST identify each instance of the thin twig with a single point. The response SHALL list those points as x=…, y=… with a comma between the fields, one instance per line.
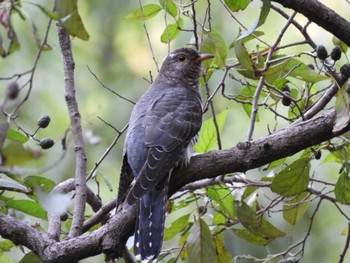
x=346, y=246
x=104, y=86
x=147, y=36
x=32, y=71
x=107, y=151
x=195, y=33
x=77, y=134
x=254, y=109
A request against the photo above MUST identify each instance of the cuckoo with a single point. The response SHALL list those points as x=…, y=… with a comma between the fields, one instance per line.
x=163, y=127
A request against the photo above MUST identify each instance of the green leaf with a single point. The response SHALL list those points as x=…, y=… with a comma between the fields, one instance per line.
x=207, y=134
x=276, y=163
x=13, y=186
x=6, y=245
x=243, y=55
x=107, y=182
x=236, y=5
x=342, y=111
x=44, y=183
x=249, y=191
x=222, y=255
x=16, y=136
x=280, y=83
x=38, y=41
x=293, y=179
x=301, y=71
x=223, y=196
x=342, y=189
x=169, y=6
x=250, y=237
x=30, y=258
x=171, y=31
x=248, y=38
x=46, y=11
x=295, y=68
x=218, y=218
x=265, y=9
x=67, y=11
x=214, y=43
x=200, y=244
x=333, y=157
x=14, y=44
x=5, y=259
x=3, y=52
x=15, y=153
x=28, y=207
x=247, y=94
x=176, y=227
x=147, y=12
x=257, y=225
x=294, y=209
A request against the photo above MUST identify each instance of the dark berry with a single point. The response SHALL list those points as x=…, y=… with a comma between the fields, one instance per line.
x=318, y=155
x=286, y=88
x=311, y=66
x=64, y=217
x=347, y=89
x=12, y=90
x=286, y=101
x=345, y=70
x=321, y=52
x=44, y=121
x=46, y=143
x=336, y=53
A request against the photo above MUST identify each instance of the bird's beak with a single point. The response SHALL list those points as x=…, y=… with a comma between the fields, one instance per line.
x=203, y=57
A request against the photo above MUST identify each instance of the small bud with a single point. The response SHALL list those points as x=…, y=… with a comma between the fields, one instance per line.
x=12, y=90
x=336, y=53
x=321, y=52
x=44, y=121
x=46, y=143
x=345, y=70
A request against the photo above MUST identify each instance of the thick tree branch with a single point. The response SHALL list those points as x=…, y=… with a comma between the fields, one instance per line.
x=322, y=16
x=79, y=144
x=24, y=234
x=247, y=156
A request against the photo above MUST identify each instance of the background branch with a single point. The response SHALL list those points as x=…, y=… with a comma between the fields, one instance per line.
x=322, y=16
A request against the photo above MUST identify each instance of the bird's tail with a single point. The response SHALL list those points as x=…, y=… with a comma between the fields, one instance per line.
x=150, y=222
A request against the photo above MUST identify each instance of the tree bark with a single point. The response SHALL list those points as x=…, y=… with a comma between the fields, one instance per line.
x=322, y=16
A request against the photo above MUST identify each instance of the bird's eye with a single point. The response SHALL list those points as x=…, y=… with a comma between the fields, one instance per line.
x=181, y=58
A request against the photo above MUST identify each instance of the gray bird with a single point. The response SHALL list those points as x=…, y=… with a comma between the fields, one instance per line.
x=163, y=127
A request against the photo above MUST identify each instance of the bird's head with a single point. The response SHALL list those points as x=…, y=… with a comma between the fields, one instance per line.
x=183, y=65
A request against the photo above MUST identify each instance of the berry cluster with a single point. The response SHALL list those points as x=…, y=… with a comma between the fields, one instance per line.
x=12, y=92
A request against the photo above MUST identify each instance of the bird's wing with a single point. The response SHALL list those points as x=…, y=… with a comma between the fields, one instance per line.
x=125, y=181
x=174, y=119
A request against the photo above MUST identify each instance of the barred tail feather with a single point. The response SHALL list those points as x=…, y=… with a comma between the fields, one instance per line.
x=150, y=222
